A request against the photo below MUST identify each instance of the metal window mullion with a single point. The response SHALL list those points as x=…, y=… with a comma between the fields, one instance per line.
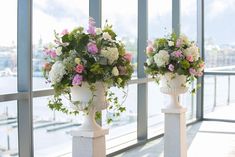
x=176, y=16
x=142, y=89
x=200, y=41
x=24, y=80
x=95, y=11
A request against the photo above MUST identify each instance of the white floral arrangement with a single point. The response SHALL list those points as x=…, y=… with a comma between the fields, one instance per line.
x=88, y=56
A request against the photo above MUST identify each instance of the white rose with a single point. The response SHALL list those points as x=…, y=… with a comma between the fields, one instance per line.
x=192, y=51
x=57, y=72
x=170, y=43
x=161, y=58
x=111, y=53
x=58, y=51
x=98, y=31
x=115, y=71
x=106, y=36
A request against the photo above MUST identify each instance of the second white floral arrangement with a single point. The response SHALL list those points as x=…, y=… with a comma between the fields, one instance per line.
x=176, y=55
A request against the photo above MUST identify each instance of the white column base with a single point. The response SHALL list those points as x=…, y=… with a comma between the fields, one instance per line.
x=175, y=132
x=89, y=143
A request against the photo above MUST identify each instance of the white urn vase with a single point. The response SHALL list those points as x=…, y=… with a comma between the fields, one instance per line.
x=173, y=85
x=83, y=94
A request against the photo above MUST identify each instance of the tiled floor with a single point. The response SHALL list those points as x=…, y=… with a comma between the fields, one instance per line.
x=205, y=139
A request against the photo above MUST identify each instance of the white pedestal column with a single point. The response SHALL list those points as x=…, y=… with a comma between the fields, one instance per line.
x=89, y=143
x=175, y=132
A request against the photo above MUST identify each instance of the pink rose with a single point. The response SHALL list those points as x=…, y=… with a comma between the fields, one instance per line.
x=122, y=70
x=128, y=57
x=177, y=54
x=64, y=32
x=178, y=43
x=46, y=51
x=149, y=49
x=79, y=68
x=52, y=53
x=199, y=74
x=190, y=58
x=202, y=65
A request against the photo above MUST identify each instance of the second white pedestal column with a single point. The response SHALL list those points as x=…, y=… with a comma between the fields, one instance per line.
x=175, y=133
x=89, y=144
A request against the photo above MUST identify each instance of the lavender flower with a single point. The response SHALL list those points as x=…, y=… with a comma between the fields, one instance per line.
x=171, y=67
x=77, y=80
x=92, y=48
x=91, y=27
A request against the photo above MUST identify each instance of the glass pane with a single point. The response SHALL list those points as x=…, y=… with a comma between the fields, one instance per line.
x=123, y=130
x=189, y=18
x=218, y=97
x=188, y=100
x=8, y=41
x=124, y=23
x=219, y=35
x=8, y=129
x=51, y=130
x=159, y=17
x=156, y=101
x=219, y=56
x=59, y=15
x=159, y=25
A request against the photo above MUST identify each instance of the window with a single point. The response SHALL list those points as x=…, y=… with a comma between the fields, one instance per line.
x=125, y=25
x=8, y=54
x=8, y=129
x=159, y=22
x=219, y=56
x=49, y=125
x=189, y=18
x=59, y=15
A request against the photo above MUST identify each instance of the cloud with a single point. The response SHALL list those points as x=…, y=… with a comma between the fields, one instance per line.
x=8, y=17
x=188, y=7
x=122, y=17
x=49, y=16
x=215, y=8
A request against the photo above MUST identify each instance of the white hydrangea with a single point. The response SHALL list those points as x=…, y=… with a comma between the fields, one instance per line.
x=58, y=51
x=185, y=39
x=192, y=51
x=50, y=46
x=149, y=61
x=115, y=71
x=57, y=72
x=161, y=58
x=111, y=53
x=98, y=31
x=106, y=36
x=170, y=43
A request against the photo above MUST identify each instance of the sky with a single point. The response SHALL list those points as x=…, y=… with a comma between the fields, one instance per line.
x=50, y=15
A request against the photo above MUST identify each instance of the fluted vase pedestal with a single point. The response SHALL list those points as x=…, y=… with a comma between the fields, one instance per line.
x=89, y=139
x=89, y=143
x=175, y=144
